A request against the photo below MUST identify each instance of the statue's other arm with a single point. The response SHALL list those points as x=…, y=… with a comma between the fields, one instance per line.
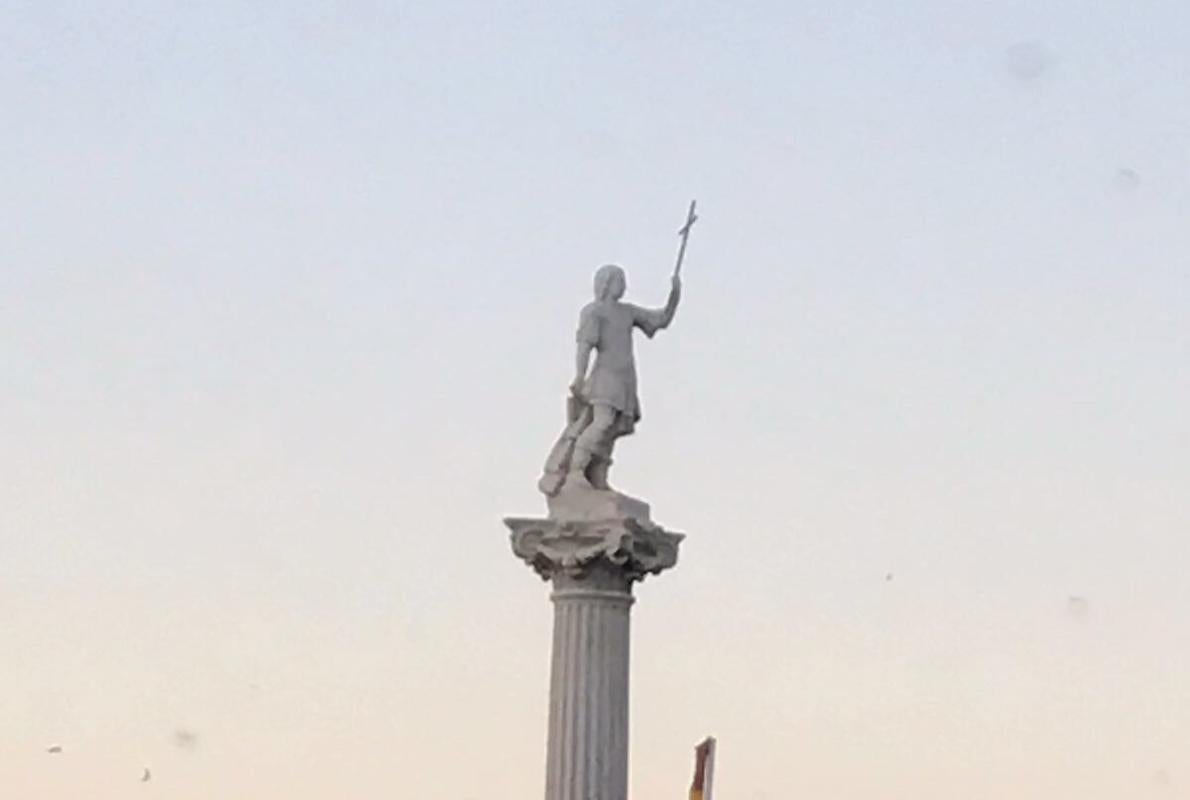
x=581, y=358
x=588, y=338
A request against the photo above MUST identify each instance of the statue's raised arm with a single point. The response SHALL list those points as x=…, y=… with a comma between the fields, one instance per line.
x=651, y=320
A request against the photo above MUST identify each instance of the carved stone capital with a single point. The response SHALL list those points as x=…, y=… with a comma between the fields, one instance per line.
x=575, y=548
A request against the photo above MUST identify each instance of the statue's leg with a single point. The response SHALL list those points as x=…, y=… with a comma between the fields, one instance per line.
x=597, y=471
x=601, y=458
x=589, y=443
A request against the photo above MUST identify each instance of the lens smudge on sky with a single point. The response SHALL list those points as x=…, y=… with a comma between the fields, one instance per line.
x=1028, y=61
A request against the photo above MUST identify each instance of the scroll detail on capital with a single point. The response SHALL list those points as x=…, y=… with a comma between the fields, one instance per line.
x=553, y=547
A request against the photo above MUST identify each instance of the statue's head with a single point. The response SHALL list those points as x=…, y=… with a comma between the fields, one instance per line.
x=610, y=282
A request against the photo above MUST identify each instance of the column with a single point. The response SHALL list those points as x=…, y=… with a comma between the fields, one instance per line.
x=587, y=756
x=592, y=565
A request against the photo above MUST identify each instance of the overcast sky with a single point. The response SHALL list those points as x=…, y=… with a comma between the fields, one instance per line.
x=287, y=306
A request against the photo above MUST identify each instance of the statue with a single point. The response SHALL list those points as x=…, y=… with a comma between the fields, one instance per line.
x=603, y=403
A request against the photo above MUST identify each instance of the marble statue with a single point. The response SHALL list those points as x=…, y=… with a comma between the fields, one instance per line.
x=603, y=403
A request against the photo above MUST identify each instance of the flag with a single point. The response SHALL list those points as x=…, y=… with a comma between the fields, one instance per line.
x=704, y=769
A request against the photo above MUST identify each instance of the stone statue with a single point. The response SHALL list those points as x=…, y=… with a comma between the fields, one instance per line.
x=603, y=403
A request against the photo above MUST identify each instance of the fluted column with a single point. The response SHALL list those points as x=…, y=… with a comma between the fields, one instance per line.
x=592, y=565
x=587, y=756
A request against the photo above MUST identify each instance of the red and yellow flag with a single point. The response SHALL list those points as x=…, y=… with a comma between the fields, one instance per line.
x=704, y=769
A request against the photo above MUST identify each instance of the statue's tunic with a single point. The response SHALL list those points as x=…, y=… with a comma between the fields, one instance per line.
x=607, y=326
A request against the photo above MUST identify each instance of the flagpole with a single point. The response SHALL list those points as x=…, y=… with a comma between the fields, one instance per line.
x=708, y=791
x=704, y=770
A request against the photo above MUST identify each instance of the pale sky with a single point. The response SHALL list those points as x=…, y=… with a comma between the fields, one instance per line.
x=287, y=302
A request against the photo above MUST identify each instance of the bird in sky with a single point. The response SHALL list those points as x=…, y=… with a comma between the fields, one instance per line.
x=54, y=748
x=146, y=776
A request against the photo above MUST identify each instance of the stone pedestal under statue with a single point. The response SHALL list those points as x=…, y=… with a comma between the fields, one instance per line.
x=593, y=548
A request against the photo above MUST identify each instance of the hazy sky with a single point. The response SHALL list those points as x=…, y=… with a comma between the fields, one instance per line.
x=287, y=302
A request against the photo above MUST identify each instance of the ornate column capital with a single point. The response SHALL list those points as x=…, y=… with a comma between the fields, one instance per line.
x=575, y=548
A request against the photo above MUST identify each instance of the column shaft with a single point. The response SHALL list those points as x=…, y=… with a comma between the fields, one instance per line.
x=587, y=755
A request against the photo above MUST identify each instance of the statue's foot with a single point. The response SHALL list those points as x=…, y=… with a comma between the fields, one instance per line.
x=578, y=480
x=599, y=482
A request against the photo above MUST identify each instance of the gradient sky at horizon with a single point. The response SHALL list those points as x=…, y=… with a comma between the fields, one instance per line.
x=287, y=302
